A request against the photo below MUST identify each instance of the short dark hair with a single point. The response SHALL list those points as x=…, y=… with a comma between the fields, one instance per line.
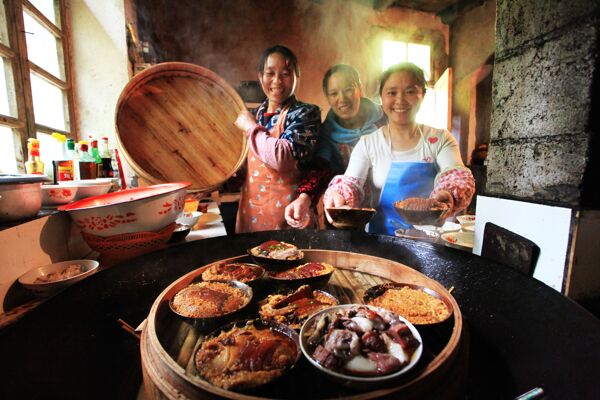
x=289, y=56
x=411, y=68
x=346, y=69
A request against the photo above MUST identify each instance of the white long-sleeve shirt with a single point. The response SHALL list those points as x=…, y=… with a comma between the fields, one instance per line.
x=372, y=157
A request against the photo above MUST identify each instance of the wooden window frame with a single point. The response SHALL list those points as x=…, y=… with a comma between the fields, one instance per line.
x=23, y=125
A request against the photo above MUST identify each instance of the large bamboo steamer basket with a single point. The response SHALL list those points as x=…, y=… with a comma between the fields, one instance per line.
x=175, y=123
x=168, y=344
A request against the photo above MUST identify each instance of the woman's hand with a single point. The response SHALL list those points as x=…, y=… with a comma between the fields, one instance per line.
x=297, y=213
x=443, y=196
x=334, y=199
x=245, y=120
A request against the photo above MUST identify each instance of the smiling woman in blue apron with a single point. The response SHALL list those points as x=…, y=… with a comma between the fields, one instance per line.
x=402, y=159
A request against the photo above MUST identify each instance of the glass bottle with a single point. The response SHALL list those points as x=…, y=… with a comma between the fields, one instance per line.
x=107, y=169
x=87, y=163
x=71, y=152
x=34, y=165
x=63, y=169
x=96, y=155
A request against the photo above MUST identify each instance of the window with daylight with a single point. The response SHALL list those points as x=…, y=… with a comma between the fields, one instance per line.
x=35, y=84
x=434, y=109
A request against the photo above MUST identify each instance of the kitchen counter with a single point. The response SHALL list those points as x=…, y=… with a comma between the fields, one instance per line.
x=522, y=333
x=209, y=225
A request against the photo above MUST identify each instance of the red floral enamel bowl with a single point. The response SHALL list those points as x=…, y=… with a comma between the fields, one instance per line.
x=142, y=209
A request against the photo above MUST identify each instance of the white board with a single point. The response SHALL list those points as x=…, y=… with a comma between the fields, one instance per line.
x=548, y=227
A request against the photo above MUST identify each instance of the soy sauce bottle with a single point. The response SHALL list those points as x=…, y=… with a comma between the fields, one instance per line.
x=86, y=163
x=107, y=169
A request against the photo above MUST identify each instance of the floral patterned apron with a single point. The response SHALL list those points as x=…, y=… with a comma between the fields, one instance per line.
x=266, y=192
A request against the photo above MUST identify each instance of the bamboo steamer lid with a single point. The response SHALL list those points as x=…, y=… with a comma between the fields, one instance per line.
x=175, y=123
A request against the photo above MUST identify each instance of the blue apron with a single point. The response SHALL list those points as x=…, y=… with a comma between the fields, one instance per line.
x=404, y=180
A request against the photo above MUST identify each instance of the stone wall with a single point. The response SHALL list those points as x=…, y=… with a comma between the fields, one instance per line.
x=542, y=123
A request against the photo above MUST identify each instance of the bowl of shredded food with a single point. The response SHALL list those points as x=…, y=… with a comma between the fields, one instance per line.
x=51, y=279
x=418, y=304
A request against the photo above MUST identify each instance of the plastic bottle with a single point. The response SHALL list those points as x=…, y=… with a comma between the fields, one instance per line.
x=107, y=169
x=96, y=154
x=70, y=149
x=34, y=165
x=87, y=163
x=63, y=168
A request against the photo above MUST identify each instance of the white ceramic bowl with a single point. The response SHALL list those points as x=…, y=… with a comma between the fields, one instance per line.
x=29, y=279
x=189, y=218
x=85, y=191
x=54, y=195
x=141, y=209
x=466, y=219
x=356, y=381
x=87, y=182
x=463, y=239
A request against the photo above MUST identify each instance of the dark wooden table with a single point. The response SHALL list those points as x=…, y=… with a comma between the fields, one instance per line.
x=523, y=334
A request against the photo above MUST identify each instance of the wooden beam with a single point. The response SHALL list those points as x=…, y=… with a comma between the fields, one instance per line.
x=49, y=130
x=22, y=83
x=72, y=117
x=11, y=122
x=41, y=19
x=6, y=52
x=42, y=73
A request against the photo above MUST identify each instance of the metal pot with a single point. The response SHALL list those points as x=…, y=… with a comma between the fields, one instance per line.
x=19, y=200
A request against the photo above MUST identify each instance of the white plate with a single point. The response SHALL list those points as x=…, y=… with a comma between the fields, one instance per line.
x=464, y=239
x=447, y=227
x=209, y=219
x=45, y=289
x=466, y=219
x=87, y=182
x=468, y=228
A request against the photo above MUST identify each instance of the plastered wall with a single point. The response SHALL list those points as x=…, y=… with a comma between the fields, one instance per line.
x=467, y=57
x=228, y=36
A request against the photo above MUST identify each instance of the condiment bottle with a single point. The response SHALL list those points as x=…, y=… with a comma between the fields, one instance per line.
x=107, y=169
x=96, y=155
x=34, y=165
x=63, y=168
x=71, y=152
x=86, y=163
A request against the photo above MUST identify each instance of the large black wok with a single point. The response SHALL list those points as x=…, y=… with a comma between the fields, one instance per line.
x=522, y=333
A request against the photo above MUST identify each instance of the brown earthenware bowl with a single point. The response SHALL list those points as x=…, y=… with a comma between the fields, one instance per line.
x=418, y=217
x=350, y=218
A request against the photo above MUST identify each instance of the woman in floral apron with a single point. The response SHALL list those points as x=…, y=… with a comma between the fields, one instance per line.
x=282, y=137
x=402, y=159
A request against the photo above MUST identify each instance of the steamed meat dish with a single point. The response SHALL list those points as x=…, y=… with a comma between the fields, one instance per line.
x=242, y=272
x=295, y=308
x=245, y=357
x=362, y=342
x=209, y=299
x=277, y=251
x=421, y=204
x=307, y=270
